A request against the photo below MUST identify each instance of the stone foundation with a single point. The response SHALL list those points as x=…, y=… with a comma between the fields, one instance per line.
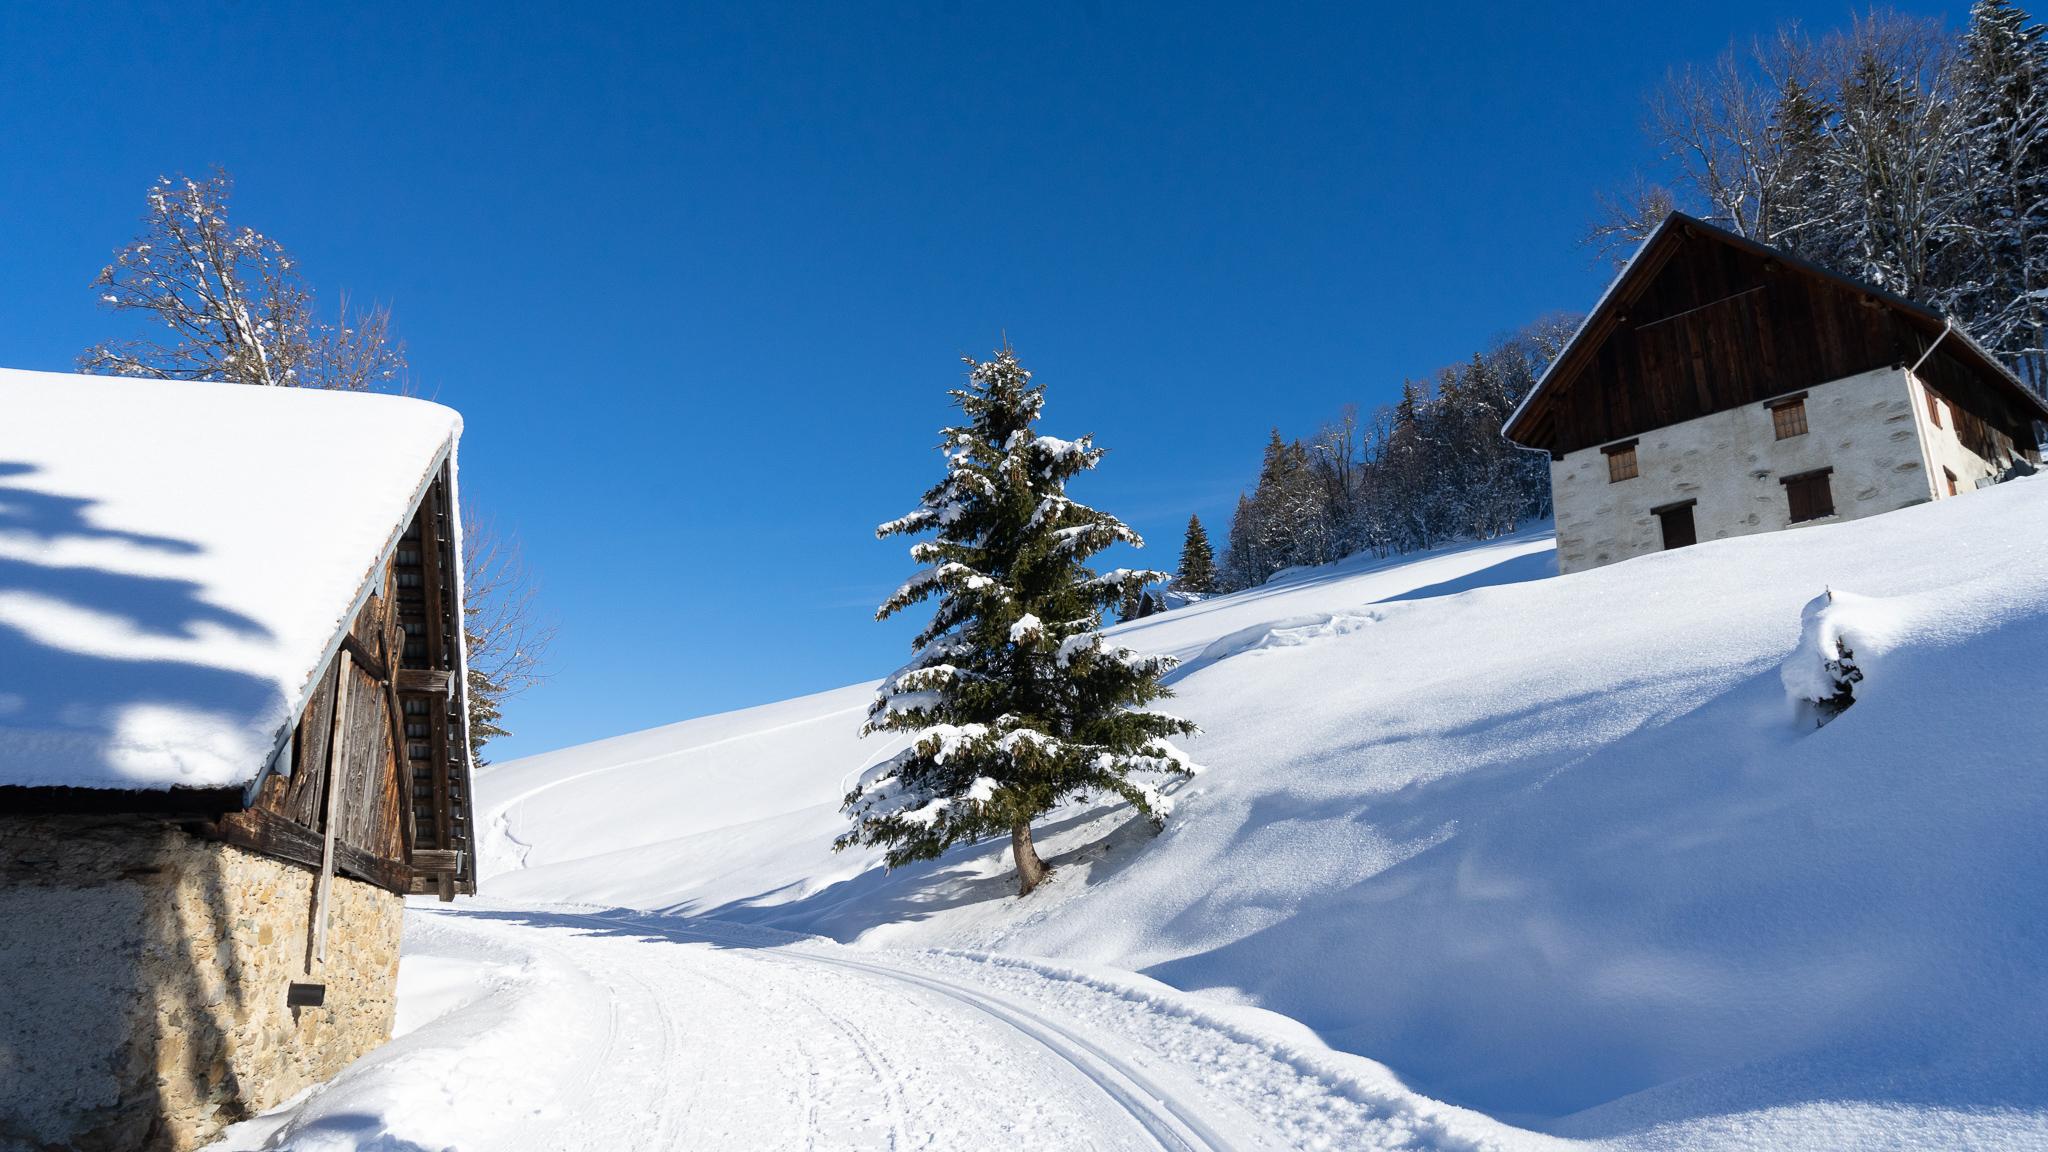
x=143, y=974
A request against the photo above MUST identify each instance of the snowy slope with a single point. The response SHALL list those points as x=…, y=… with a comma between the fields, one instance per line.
x=1564, y=850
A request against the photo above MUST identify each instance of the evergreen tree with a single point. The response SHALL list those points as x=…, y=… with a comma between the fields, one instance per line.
x=1014, y=701
x=1197, y=562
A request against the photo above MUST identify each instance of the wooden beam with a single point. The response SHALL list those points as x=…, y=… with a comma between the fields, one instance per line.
x=401, y=762
x=335, y=764
x=438, y=681
x=269, y=834
x=211, y=803
x=365, y=659
x=436, y=860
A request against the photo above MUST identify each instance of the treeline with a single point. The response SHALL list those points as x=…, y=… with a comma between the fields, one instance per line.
x=1428, y=469
x=1893, y=151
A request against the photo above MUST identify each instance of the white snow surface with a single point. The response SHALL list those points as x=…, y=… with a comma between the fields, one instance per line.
x=175, y=559
x=1570, y=855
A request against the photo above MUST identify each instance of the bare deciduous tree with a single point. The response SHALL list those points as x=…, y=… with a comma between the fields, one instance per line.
x=239, y=312
x=507, y=640
x=234, y=302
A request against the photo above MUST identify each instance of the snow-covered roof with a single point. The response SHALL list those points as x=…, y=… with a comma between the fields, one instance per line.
x=177, y=561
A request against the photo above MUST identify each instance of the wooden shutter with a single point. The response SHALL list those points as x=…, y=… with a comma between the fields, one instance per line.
x=1621, y=461
x=1809, y=496
x=1788, y=418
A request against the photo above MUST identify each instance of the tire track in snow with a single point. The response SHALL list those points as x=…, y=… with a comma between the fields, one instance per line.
x=1170, y=1125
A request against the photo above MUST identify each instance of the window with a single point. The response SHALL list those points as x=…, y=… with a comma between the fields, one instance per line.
x=1788, y=418
x=1809, y=495
x=1933, y=405
x=1676, y=520
x=1621, y=462
x=1951, y=482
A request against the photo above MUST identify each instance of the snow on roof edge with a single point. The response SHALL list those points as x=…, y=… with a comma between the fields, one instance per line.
x=444, y=455
x=1580, y=332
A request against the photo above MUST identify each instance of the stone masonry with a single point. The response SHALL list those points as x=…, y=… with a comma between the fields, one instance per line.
x=146, y=978
x=1867, y=427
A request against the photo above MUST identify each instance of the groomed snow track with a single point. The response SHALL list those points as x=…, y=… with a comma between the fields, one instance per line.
x=575, y=1028
x=1171, y=1126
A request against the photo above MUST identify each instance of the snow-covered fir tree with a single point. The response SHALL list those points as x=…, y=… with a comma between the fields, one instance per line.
x=1197, y=561
x=1013, y=700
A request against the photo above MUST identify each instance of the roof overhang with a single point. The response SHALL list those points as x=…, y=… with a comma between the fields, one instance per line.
x=1649, y=258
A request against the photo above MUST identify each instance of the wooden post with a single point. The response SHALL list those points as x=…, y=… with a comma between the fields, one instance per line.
x=335, y=764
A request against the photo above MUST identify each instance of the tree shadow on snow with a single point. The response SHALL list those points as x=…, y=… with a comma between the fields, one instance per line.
x=967, y=874
x=68, y=704
x=1513, y=570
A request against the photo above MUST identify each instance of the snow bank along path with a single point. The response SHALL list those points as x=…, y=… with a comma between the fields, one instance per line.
x=558, y=1029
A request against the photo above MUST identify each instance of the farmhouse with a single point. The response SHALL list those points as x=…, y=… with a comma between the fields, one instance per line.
x=232, y=739
x=1721, y=388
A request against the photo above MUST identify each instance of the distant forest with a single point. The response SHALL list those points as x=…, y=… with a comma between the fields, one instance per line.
x=1893, y=151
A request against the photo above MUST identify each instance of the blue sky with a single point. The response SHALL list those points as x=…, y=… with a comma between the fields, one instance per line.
x=698, y=277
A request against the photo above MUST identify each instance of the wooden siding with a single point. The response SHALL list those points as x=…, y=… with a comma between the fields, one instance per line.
x=403, y=816
x=426, y=570
x=1703, y=322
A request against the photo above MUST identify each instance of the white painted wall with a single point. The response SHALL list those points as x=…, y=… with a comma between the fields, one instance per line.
x=1944, y=450
x=1863, y=426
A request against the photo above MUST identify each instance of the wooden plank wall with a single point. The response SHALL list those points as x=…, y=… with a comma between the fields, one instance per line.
x=290, y=812
x=426, y=570
x=1720, y=327
x=404, y=818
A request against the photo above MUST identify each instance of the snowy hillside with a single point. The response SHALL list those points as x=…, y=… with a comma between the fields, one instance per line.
x=1563, y=850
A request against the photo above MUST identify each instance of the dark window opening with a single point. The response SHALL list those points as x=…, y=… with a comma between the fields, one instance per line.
x=1809, y=495
x=1677, y=523
x=1951, y=482
x=1933, y=406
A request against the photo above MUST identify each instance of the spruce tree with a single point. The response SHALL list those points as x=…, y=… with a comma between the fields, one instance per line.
x=1197, y=561
x=1013, y=701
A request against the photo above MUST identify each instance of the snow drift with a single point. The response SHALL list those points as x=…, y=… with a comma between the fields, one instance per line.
x=1565, y=850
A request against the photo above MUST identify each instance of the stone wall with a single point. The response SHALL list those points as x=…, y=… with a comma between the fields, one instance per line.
x=1861, y=426
x=145, y=973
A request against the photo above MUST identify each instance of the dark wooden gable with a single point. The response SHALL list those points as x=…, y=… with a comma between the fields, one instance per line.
x=401, y=806
x=1703, y=321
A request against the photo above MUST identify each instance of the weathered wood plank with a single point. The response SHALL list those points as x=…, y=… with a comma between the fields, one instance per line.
x=269, y=834
x=439, y=681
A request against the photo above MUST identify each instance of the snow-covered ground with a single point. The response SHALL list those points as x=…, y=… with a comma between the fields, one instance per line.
x=1568, y=853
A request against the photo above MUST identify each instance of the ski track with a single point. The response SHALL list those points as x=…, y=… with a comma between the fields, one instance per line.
x=1173, y=1127
x=615, y=1030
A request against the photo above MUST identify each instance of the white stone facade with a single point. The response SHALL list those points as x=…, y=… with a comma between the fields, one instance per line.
x=1871, y=429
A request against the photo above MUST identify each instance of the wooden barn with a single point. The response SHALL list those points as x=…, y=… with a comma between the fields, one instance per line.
x=1722, y=388
x=232, y=739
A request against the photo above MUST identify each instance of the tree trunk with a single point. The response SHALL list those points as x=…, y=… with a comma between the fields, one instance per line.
x=1031, y=871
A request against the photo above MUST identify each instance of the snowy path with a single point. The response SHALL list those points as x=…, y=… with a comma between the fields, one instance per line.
x=555, y=1029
